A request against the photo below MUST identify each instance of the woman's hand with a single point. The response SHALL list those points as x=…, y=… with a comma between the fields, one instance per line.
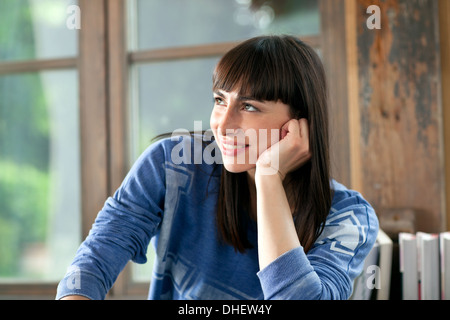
x=276, y=230
x=288, y=154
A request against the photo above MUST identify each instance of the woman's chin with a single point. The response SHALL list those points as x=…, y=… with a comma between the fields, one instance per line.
x=237, y=168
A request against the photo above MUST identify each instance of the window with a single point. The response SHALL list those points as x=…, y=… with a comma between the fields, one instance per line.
x=39, y=156
x=39, y=144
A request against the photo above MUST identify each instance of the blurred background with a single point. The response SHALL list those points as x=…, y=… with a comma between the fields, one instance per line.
x=85, y=85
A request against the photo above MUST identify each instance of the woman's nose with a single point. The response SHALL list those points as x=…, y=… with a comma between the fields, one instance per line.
x=229, y=122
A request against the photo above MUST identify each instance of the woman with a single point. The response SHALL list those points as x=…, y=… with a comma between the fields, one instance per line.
x=264, y=221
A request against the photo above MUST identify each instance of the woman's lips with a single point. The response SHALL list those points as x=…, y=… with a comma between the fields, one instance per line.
x=232, y=149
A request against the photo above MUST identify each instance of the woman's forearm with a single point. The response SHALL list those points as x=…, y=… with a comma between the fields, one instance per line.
x=74, y=297
x=276, y=229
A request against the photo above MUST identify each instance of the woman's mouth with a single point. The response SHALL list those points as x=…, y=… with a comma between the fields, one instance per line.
x=233, y=149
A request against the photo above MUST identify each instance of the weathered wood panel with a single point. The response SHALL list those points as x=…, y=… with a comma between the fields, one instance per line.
x=400, y=109
x=444, y=33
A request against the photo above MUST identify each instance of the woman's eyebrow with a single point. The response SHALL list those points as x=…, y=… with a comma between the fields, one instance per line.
x=240, y=98
x=220, y=94
x=244, y=98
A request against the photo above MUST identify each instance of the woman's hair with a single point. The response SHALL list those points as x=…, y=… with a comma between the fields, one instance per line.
x=279, y=68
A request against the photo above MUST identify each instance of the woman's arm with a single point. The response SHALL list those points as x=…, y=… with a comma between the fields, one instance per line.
x=334, y=261
x=276, y=229
x=121, y=231
x=75, y=297
x=337, y=257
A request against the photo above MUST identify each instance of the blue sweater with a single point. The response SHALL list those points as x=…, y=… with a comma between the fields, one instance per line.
x=175, y=206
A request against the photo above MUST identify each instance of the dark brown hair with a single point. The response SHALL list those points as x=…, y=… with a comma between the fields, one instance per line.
x=279, y=68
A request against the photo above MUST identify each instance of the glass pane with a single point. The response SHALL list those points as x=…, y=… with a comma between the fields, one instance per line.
x=37, y=29
x=39, y=175
x=175, y=23
x=168, y=96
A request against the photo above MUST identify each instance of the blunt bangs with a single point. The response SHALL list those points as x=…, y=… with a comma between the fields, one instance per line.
x=258, y=68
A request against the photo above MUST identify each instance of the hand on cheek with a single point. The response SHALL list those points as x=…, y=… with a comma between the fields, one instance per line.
x=290, y=153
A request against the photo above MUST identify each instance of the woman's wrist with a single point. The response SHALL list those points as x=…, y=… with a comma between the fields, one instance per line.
x=273, y=176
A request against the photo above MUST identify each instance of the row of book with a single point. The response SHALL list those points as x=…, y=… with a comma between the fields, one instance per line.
x=425, y=265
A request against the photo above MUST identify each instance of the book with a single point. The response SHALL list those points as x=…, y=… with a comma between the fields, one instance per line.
x=420, y=266
x=428, y=258
x=408, y=265
x=444, y=238
x=385, y=263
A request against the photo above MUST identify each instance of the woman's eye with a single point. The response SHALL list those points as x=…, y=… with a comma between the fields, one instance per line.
x=249, y=107
x=219, y=101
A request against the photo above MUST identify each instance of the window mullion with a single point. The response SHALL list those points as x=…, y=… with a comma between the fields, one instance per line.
x=93, y=110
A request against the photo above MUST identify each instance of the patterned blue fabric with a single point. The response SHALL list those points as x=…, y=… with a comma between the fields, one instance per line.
x=174, y=204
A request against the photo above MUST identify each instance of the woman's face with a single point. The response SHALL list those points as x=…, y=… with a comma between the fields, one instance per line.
x=245, y=127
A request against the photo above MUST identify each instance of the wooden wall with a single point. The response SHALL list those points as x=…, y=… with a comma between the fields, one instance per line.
x=444, y=32
x=400, y=149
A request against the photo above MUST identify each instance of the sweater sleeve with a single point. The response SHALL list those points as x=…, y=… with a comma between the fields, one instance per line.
x=121, y=231
x=328, y=270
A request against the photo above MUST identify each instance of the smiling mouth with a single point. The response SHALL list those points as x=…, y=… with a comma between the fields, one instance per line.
x=232, y=149
x=234, y=146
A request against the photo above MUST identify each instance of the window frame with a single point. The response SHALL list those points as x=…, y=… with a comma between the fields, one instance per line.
x=10, y=289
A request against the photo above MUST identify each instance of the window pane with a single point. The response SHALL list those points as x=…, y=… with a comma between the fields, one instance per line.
x=37, y=29
x=168, y=96
x=175, y=23
x=39, y=175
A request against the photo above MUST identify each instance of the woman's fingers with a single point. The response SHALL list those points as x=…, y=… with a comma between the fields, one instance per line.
x=304, y=129
x=292, y=127
x=291, y=152
x=297, y=128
